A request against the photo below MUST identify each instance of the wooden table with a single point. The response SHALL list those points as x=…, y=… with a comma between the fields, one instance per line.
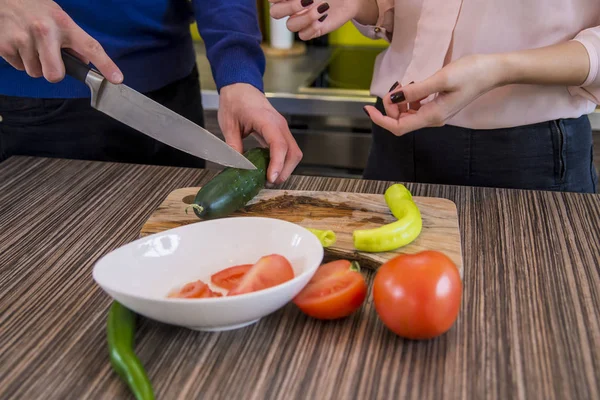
x=529, y=325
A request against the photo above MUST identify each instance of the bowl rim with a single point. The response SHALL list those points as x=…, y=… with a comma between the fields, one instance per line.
x=209, y=300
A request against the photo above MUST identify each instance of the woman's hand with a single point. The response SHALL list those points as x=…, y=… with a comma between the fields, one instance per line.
x=314, y=18
x=464, y=80
x=32, y=32
x=456, y=85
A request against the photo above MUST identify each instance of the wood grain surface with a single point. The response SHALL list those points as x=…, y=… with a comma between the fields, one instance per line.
x=529, y=326
x=337, y=211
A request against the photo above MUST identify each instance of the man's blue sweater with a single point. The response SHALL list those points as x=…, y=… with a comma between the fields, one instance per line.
x=150, y=42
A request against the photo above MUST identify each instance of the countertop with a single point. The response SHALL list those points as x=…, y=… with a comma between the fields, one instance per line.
x=529, y=325
x=283, y=78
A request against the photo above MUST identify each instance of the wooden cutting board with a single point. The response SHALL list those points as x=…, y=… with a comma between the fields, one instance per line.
x=338, y=211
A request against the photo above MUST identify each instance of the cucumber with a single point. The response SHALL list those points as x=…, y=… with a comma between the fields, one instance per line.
x=232, y=188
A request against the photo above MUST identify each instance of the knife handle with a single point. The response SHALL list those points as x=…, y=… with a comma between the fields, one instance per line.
x=74, y=66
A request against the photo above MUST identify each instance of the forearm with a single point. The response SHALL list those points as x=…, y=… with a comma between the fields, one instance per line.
x=566, y=64
x=367, y=13
x=232, y=38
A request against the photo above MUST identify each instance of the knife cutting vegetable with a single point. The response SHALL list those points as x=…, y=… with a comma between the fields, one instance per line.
x=120, y=332
x=151, y=118
x=232, y=188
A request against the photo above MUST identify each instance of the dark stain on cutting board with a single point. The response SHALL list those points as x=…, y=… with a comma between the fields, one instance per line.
x=298, y=208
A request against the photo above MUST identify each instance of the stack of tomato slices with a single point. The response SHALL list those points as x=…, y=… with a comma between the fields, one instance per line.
x=270, y=270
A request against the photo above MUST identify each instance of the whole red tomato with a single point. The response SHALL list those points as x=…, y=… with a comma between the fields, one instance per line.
x=418, y=296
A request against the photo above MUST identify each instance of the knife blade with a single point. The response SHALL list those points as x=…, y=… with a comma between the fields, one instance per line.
x=151, y=118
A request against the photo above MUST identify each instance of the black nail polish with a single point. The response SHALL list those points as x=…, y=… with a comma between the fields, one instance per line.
x=394, y=86
x=306, y=3
x=323, y=18
x=322, y=8
x=366, y=112
x=397, y=97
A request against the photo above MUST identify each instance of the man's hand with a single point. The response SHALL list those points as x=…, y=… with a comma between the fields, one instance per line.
x=243, y=110
x=32, y=33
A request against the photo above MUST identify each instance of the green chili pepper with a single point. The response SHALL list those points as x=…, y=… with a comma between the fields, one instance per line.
x=120, y=329
x=327, y=238
x=396, y=234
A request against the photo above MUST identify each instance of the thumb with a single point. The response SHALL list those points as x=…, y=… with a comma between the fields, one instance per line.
x=416, y=92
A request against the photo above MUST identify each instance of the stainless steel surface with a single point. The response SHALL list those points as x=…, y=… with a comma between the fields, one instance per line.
x=151, y=118
x=283, y=82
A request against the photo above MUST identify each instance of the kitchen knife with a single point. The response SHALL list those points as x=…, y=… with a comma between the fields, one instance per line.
x=151, y=118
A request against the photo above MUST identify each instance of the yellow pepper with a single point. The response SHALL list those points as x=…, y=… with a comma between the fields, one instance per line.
x=327, y=238
x=396, y=234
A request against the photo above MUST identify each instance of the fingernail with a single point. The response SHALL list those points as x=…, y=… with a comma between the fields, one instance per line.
x=397, y=97
x=274, y=176
x=306, y=3
x=394, y=86
x=117, y=77
x=366, y=112
x=322, y=8
x=323, y=18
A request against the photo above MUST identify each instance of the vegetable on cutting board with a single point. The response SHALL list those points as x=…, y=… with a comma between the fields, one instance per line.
x=120, y=330
x=336, y=290
x=232, y=188
x=396, y=234
x=326, y=237
x=418, y=296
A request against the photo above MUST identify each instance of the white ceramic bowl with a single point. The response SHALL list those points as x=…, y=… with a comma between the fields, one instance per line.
x=142, y=273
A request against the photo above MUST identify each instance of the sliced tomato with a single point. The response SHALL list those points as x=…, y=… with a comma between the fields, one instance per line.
x=269, y=271
x=195, y=290
x=192, y=290
x=228, y=278
x=335, y=291
x=215, y=294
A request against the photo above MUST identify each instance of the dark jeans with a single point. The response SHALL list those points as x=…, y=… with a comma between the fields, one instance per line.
x=71, y=128
x=555, y=155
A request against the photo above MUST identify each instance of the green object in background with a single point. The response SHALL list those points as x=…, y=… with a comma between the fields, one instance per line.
x=266, y=21
x=120, y=332
x=348, y=35
x=195, y=34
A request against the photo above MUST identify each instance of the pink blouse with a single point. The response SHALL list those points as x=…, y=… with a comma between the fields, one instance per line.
x=425, y=35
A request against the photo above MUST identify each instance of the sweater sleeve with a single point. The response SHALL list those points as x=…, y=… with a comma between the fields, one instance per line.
x=384, y=26
x=231, y=34
x=590, y=89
